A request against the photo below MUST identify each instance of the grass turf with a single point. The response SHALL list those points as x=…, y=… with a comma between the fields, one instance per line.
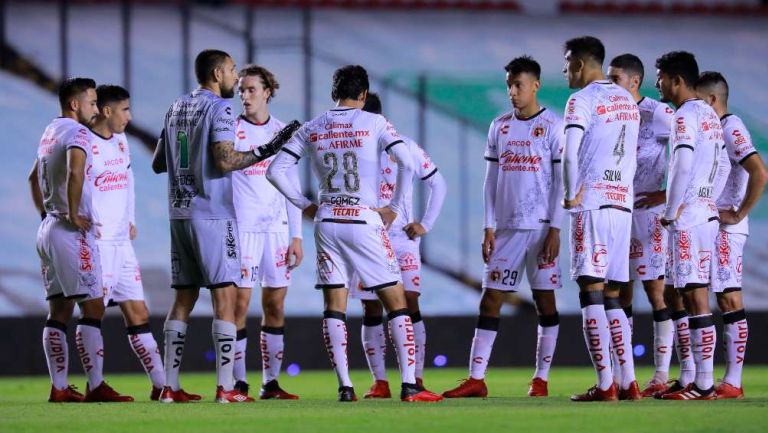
x=23, y=408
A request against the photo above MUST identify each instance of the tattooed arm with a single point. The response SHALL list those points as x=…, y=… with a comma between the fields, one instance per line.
x=228, y=159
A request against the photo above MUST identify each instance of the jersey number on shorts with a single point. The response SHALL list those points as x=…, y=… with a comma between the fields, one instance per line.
x=509, y=278
x=351, y=178
x=181, y=140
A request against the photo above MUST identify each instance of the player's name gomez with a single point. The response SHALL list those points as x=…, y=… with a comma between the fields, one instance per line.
x=343, y=205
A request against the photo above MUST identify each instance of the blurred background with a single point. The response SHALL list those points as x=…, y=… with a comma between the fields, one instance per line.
x=438, y=66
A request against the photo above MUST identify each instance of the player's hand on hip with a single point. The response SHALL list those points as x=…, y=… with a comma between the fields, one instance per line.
x=414, y=230
x=388, y=216
x=729, y=217
x=132, y=232
x=296, y=251
x=80, y=222
x=310, y=211
x=570, y=204
x=489, y=244
x=650, y=199
x=551, y=247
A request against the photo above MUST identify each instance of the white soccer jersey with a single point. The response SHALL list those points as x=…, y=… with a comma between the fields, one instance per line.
x=111, y=179
x=655, y=125
x=607, y=156
x=258, y=205
x=526, y=151
x=345, y=145
x=697, y=127
x=424, y=169
x=61, y=135
x=738, y=144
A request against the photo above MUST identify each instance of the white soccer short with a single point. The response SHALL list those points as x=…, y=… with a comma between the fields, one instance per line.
x=264, y=259
x=600, y=244
x=517, y=251
x=409, y=260
x=204, y=253
x=648, y=246
x=69, y=261
x=691, y=251
x=344, y=248
x=730, y=251
x=120, y=272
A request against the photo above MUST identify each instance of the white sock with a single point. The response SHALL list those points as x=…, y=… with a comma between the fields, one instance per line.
x=598, y=339
x=663, y=335
x=145, y=347
x=174, y=333
x=684, y=348
x=224, y=336
x=546, y=341
x=56, y=352
x=482, y=346
x=704, y=339
x=420, y=333
x=90, y=346
x=375, y=347
x=335, y=335
x=241, y=345
x=621, y=343
x=272, y=346
x=404, y=340
x=735, y=334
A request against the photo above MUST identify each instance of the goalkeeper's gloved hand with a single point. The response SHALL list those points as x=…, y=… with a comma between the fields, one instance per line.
x=273, y=146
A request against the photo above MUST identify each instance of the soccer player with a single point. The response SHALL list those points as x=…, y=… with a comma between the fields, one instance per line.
x=114, y=201
x=345, y=145
x=523, y=212
x=602, y=123
x=270, y=234
x=742, y=190
x=648, y=245
x=197, y=149
x=67, y=246
x=405, y=235
x=691, y=215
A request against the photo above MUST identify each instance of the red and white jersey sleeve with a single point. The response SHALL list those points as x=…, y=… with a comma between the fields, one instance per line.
x=653, y=139
x=425, y=168
x=61, y=135
x=259, y=206
x=697, y=128
x=526, y=151
x=738, y=144
x=607, y=155
x=345, y=145
x=109, y=178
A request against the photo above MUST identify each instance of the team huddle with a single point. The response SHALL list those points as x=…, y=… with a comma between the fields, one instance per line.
x=654, y=194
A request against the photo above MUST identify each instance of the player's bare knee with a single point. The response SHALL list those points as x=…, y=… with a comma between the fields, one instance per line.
x=92, y=309
x=136, y=313
x=490, y=303
x=546, y=304
x=412, y=300
x=730, y=300
x=372, y=309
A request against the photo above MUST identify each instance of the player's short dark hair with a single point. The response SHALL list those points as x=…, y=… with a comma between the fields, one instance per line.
x=586, y=47
x=73, y=87
x=372, y=103
x=629, y=63
x=679, y=64
x=206, y=62
x=523, y=64
x=269, y=80
x=108, y=93
x=349, y=82
x=712, y=78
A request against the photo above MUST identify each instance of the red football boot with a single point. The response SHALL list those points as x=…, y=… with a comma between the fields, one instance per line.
x=468, y=388
x=725, y=391
x=231, y=396
x=411, y=393
x=379, y=389
x=691, y=392
x=105, y=394
x=420, y=383
x=168, y=395
x=538, y=388
x=652, y=388
x=597, y=394
x=673, y=385
x=65, y=395
x=154, y=395
x=272, y=391
x=632, y=393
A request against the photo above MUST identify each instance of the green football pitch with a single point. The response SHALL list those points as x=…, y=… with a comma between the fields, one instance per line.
x=23, y=408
